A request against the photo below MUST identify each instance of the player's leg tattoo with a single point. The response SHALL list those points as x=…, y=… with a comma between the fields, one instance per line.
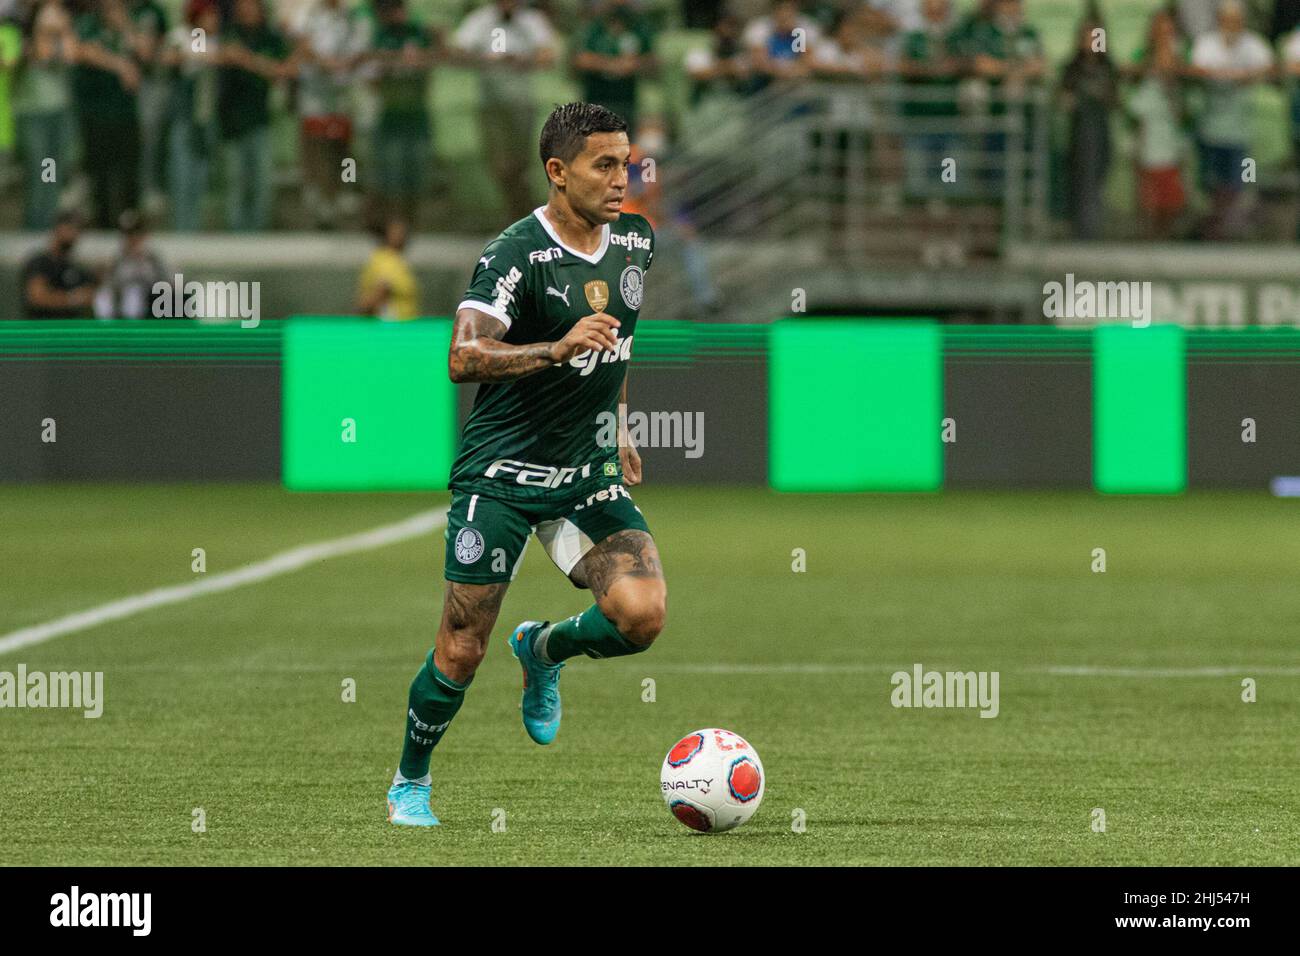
x=627, y=578
x=468, y=614
x=624, y=573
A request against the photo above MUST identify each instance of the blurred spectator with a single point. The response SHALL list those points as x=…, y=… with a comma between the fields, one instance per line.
x=851, y=54
x=387, y=287
x=1286, y=17
x=1291, y=68
x=931, y=67
x=1089, y=93
x=330, y=41
x=779, y=43
x=507, y=43
x=644, y=194
x=846, y=61
x=615, y=52
x=722, y=68
x=42, y=102
x=975, y=19
x=702, y=14
x=55, y=286
x=906, y=16
x=1156, y=107
x=1196, y=17
x=1005, y=56
x=1231, y=61
x=825, y=14
x=11, y=51
x=675, y=234
x=402, y=57
x=126, y=291
x=253, y=56
x=148, y=30
x=193, y=134
x=104, y=85
x=1004, y=48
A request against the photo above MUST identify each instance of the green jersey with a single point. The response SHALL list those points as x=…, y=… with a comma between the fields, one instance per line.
x=553, y=434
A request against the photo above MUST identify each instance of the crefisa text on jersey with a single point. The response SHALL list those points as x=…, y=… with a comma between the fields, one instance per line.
x=587, y=360
x=633, y=240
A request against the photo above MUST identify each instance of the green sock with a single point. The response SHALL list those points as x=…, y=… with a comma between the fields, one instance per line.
x=433, y=702
x=590, y=633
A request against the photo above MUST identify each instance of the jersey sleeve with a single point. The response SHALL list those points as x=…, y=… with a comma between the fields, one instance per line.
x=499, y=283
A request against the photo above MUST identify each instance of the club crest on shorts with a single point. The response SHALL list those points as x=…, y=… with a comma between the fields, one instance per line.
x=632, y=284
x=469, y=546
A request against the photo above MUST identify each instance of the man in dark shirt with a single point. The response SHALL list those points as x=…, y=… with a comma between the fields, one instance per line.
x=401, y=57
x=54, y=286
x=105, y=88
x=616, y=51
x=255, y=56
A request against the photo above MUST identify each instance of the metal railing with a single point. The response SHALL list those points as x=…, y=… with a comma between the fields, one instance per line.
x=824, y=175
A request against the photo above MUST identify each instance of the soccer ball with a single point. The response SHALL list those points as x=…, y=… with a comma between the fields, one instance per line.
x=712, y=780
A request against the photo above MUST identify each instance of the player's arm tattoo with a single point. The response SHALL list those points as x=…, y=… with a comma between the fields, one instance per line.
x=472, y=607
x=631, y=553
x=478, y=354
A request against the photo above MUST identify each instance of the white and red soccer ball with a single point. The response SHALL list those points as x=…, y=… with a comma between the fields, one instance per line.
x=712, y=780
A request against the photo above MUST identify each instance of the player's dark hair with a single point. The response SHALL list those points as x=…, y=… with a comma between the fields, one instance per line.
x=567, y=128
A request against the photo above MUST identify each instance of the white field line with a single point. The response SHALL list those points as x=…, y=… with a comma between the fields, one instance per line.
x=283, y=563
x=1059, y=670
x=1243, y=670
x=171, y=667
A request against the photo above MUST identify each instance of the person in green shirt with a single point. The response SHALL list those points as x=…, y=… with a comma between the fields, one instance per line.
x=11, y=47
x=1006, y=53
x=192, y=112
x=148, y=30
x=253, y=56
x=42, y=101
x=546, y=328
x=616, y=51
x=930, y=64
x=105, y=84
x=402, y=55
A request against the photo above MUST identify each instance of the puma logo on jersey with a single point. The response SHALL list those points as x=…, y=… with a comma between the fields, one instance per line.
x=550, y=290
x=486, y=260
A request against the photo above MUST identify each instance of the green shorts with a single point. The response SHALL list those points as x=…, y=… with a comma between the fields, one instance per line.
x=486, y=536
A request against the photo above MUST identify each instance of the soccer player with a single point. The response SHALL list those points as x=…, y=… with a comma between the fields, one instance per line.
x=546, y=328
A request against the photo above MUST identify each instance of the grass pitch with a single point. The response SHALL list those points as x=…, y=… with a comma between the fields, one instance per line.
x=232, y=702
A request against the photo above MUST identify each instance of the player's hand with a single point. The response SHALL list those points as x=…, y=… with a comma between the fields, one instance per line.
x=630, y=459
x=597, y=332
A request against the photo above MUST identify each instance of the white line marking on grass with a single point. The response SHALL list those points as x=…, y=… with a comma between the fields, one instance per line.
x=1061, y=670
x=292, y=560
x=1099, y=671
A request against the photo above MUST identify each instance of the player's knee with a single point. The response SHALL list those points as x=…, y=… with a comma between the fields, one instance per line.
x=640, y=617
x=459, y=653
